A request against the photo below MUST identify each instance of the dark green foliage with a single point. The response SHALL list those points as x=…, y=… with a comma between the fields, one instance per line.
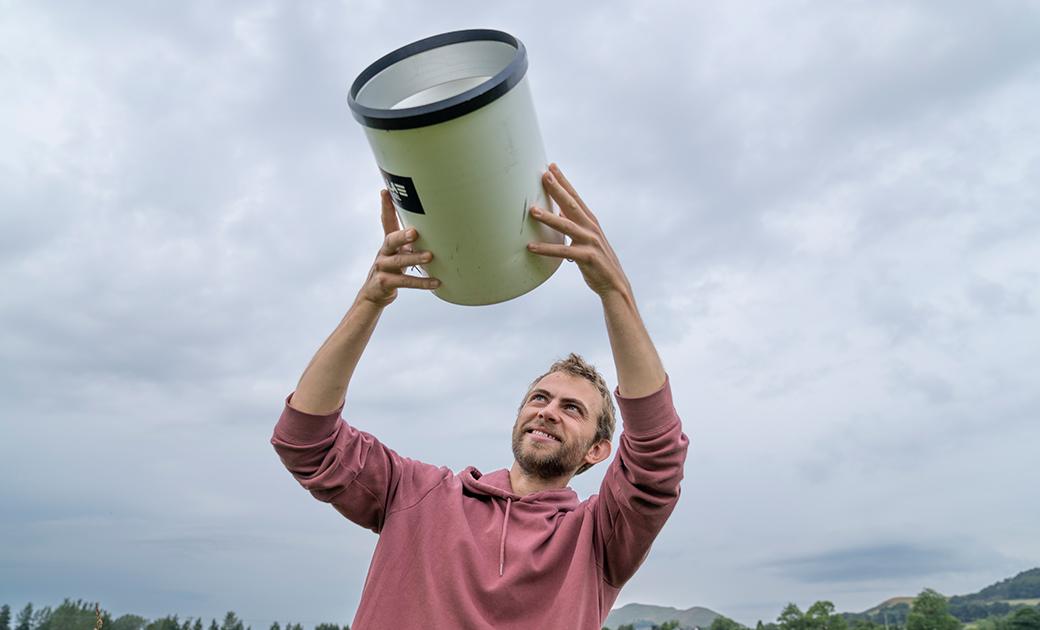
x=232, y=622
x=25, y=618
x=896, y=615
x=626, y=626
x=40, y=618
x=972, y=610
x=69, y=615
x=930, y=612
x=891, y=617
x=1024, y=619
x=127, y=622
x=5, y=617
x=725, y=623
x=791, y=618
x=169, y=622
x=991, y=623
x=821, y=616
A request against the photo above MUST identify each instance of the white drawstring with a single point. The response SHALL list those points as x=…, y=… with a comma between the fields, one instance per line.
x=502, y=543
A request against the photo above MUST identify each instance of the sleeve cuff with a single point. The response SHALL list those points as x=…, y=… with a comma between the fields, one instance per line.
x=298, y=427
x=648, y=414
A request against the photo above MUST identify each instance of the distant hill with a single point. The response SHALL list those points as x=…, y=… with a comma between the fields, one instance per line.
x=893, y=610
x=889, y=603
x=1025, y=585
x=644, y=616
x=996, y=599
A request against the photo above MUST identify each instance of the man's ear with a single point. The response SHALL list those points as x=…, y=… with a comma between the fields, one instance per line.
x=598, y=452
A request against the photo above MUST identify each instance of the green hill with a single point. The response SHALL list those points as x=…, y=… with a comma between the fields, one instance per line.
x=998, y=599
x=1025, y=585
x=994, y=600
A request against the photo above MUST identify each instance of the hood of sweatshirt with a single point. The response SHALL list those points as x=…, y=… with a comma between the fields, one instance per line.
x=497, y=485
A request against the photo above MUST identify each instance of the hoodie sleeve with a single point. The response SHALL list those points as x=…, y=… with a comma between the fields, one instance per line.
x=641, y=486
x=363, y=479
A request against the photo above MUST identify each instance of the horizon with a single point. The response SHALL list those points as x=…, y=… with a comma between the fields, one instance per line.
x=268, y=623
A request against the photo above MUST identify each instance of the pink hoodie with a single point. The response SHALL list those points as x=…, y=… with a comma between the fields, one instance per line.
x=463, y=551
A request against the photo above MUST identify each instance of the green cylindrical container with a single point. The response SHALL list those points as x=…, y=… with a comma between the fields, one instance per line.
x=452, y=125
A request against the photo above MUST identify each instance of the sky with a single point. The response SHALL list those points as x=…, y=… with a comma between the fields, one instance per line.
x=828, y=211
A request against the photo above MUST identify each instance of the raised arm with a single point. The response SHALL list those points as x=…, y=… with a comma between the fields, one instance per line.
x=335, y=461
x=639, y=368
x=324, y=383
x=641, y=486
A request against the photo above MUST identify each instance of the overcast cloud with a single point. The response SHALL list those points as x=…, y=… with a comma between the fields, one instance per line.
x=829, y=212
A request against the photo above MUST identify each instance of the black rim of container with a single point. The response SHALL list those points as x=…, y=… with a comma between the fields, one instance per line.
x=449, y=108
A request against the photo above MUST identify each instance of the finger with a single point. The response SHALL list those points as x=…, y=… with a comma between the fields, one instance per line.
x=389, y=213
x=399, y=261
x=560, y=224
x=569, y=206
x=556, y=174
x=569, y=252
x=400, y=281
x=396, y=240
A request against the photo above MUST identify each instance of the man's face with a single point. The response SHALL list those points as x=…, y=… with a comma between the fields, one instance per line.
x=556, y=425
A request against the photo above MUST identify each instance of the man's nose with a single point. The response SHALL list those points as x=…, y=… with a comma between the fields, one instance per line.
x=550, y=412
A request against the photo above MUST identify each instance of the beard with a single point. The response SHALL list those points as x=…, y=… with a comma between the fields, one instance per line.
x=547, y=462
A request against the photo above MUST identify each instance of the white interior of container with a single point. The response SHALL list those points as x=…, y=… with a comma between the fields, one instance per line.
x=436, y=74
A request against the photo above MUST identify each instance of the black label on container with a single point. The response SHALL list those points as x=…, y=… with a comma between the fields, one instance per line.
x=402, y=189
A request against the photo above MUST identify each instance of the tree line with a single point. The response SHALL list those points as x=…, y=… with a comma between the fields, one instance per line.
x=80, y=615
x=930, y=611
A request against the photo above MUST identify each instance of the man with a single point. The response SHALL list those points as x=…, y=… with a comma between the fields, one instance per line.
x=512, y=548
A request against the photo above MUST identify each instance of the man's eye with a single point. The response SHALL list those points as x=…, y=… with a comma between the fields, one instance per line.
x=537, y=396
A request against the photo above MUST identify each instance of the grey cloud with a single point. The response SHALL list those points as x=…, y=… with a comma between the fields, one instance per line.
x=197, y=545
x=996, y=299
x=879, y=562
x=894, y=308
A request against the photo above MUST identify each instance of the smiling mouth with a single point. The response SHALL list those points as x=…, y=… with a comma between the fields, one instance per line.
x=542, y=434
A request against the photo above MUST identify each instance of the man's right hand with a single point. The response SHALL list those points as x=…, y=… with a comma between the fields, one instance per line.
x=397, y=254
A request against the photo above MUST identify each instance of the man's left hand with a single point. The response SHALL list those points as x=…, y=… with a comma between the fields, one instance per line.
x=589, y=247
